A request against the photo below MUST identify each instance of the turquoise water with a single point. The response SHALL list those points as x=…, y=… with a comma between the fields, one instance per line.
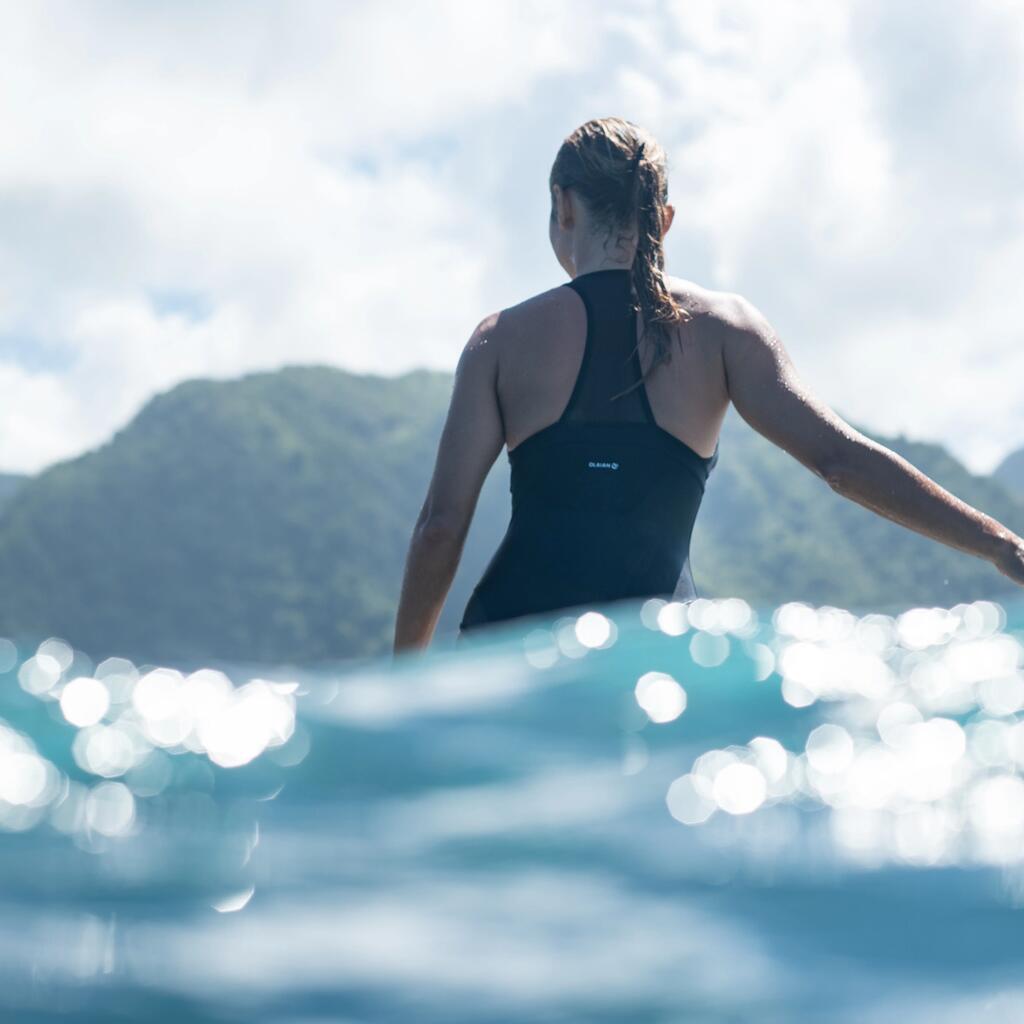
x=647, y=813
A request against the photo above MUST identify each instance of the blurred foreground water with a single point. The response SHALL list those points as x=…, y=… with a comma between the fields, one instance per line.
x=653, y=813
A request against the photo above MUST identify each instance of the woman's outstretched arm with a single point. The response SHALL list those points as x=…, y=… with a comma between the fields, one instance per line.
x=769, y=394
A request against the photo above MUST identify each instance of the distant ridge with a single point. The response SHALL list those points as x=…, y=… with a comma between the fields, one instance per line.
x=267, y=519
x=1010, y=472
x=9, y=484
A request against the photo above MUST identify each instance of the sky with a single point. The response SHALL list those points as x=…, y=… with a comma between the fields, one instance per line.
x=196, y=189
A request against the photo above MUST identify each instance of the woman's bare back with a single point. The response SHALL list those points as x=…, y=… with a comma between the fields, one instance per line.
x=541, y=349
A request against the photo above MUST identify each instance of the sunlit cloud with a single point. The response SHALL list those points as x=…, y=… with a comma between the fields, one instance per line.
x=359, y=184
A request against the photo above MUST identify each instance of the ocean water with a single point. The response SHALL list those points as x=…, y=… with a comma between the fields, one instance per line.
x=646, y=812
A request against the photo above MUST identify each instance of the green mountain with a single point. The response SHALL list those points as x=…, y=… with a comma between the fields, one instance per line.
x=263, y=518
x=9, y=484
x=1010, y=472
x=268, y=519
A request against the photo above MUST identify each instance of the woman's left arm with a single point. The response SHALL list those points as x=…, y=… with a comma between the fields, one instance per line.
x=471, y=441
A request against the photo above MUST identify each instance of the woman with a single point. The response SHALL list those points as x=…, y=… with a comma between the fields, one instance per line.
x=609, y=392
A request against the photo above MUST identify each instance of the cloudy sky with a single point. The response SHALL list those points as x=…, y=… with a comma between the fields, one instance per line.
x=203, y=189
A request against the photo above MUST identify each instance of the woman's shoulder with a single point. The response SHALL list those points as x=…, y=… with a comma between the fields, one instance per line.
x=699, y=299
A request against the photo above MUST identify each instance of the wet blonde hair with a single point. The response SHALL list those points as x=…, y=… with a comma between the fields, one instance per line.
x=619, y=171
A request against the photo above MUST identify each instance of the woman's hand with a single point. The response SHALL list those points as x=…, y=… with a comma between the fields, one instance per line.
x=1010, y=560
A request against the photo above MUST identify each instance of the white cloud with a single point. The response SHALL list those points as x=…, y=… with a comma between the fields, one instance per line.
x=217, y=151
x=359, y=184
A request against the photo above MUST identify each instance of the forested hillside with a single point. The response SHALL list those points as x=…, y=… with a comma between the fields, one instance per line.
x=268, y=518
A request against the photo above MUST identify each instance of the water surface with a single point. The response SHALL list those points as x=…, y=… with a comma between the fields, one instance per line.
x=643, y=813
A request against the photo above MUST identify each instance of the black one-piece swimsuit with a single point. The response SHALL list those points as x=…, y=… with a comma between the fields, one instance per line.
x=603, y=500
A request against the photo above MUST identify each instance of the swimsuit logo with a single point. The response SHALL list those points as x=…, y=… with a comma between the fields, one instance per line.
x=602, y=465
